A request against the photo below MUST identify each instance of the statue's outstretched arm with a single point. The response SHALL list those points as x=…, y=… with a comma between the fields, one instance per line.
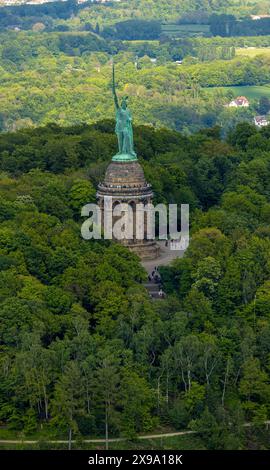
x=114, y=89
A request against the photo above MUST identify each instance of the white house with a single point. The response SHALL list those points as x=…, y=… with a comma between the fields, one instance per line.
x=239, y=102
x=259, y=17
x=261, y=121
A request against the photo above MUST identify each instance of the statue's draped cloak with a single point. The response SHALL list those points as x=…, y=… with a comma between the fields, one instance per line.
x=124, y=132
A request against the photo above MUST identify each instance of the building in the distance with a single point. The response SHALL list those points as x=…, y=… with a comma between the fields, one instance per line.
x=261, y=121
x=259, y=17
x=239, y=102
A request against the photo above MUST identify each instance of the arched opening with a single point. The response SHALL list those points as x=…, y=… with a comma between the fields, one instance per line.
x=133, y=206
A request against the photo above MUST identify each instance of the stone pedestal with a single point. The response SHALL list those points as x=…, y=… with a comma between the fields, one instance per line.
x=125, y=182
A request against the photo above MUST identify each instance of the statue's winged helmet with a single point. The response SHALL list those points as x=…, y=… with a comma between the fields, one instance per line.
x=124, y=101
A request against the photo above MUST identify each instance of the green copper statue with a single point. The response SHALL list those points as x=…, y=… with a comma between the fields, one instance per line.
x=123, y=128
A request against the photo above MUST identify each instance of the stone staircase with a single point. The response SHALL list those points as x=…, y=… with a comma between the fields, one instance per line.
x=153, y=289
x=165, y=258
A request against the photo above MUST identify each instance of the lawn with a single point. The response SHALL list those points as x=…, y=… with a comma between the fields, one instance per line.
x=251, y=92
x=183, y=30
x=252, y=51
x=151, y=42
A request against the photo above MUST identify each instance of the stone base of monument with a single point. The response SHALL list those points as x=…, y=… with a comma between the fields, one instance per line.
x=146, y=250
x=125, y=182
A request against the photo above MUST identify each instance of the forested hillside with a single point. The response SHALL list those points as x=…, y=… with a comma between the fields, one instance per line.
x=173, y=9
x=71, y=15
x=82, y=343
x=66, y=77
x=169, y=9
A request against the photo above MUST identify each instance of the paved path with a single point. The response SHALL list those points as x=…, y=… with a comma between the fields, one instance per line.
x=96, y=441
x=166, y=257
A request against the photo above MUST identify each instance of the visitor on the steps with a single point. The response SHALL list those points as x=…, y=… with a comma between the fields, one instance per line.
x=161, y=294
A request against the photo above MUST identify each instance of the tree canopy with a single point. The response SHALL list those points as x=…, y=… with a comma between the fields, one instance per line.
x=84, y=351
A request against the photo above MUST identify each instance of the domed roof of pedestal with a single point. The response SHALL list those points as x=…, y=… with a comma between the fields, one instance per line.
x=125, y=174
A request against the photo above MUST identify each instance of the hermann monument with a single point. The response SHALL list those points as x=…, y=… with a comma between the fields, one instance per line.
x=125, y=182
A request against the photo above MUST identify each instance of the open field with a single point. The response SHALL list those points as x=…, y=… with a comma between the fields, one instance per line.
x=251, y=92
x=183, y=30
x=151, y=42
x=252, y=51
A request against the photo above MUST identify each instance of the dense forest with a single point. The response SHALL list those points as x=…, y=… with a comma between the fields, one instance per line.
x=228, y=25
x=82, y=345
x=84, y=351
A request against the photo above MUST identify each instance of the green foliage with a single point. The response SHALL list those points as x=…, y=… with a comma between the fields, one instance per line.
x=228, y=25
x=84, y=351
x=81, y=191
x=133, y=30
x=66, y=77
